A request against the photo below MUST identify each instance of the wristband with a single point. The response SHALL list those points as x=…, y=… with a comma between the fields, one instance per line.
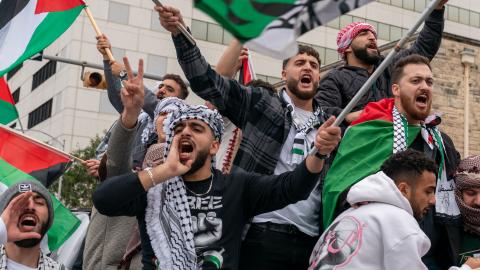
x=320, y=156
x=150, y=174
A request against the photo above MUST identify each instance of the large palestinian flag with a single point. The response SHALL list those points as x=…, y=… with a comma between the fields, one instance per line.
x=8, y=112
x=28, y=26
x=271, y=27
x=367, y=143
x=24, y=159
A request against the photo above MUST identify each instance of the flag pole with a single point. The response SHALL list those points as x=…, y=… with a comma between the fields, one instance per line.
x=97, y=31
x=41, y=143
x=20, y=122
x=385, y=63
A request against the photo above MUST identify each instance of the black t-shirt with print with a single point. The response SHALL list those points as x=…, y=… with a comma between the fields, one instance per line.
x=218, y=217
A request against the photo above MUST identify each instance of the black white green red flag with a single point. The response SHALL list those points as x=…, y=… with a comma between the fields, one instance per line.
x=271, y=27
x=8, y=112
x=28, y=26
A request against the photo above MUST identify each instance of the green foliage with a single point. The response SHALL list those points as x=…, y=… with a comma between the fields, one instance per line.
x=77, y=185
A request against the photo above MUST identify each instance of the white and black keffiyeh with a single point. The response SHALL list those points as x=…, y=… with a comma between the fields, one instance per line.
x=44, y=262
x=168, y=105
x=445, y=207
x=167, y=217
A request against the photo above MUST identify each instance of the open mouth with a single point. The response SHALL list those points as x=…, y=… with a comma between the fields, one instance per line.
x=185, y=149
x=306, y=79
x=28, y=222
x=422, y=100
x=372, y=46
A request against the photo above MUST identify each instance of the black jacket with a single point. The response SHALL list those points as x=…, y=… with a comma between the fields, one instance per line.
x=339, y=86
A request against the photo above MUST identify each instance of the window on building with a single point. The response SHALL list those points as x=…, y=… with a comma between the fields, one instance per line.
x=199, y=29
x=331, y=56
x=16, y=95
x=155, y=23
x=118, y=53
x=464, y=16
x=452, y=13
x=14, y=71
x=156, y=64
x=14, y=125
x=118, y=12
x=395, y=33
x=40, y=114
x=409, y=4
x=475, y=19
x=335, y=23
x=383, y=31
x=345, y=20
x=44, y=73
x=215, y=33
x=227, y=37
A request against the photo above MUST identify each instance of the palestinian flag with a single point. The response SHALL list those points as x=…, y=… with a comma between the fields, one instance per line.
x=21, y=159
x=271, y=27
x=8, y=112
x=247, y=73
x=28, y=26
x=367, y=143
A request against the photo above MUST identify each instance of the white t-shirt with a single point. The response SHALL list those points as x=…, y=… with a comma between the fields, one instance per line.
x=12, y=265
x=303, y=214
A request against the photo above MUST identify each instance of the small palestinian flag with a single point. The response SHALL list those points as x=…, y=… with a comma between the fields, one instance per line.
x=367, y=143
x=8, y=112
x=28, y=26
x=271, y=27
x=24, y=159
x=247, y=73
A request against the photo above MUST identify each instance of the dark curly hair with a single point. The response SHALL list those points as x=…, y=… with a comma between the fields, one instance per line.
x=407, y=166
x=399, y=66
x=180, y=82
x=304, y=49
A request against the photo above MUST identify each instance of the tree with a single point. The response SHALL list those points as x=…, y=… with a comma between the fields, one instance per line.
x=77, y=185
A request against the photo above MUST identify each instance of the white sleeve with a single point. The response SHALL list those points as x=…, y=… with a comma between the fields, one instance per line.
x=463, y=267
x=3, y=232
x=407, y=253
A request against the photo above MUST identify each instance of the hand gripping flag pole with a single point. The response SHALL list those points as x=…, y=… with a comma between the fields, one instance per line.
x=386, y=62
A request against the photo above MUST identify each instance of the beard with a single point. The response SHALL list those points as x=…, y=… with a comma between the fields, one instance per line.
x=413, y=112
x=292, y=86
x=198, y=162
x=365, y=57
x=31, y=242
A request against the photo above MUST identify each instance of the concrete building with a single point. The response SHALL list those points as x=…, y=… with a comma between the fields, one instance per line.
x=52, y=100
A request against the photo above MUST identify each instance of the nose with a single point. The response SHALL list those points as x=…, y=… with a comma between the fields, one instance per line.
x=432, y=200
x=371, y=36
x=31, y=204
x=477, y=200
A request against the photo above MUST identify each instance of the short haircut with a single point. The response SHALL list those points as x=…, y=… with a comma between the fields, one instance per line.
x=398, y=67
x=180, y=82
x=307, y=50
x=407, y=166
x=263, y=84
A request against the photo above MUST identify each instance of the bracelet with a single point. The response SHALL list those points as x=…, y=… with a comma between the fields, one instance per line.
x=320, y=156
x=150, y=174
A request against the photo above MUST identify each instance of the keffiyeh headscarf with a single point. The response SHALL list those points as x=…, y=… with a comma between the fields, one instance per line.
x=348, y=34
x=468, y=176
x=166, y=105
x=446, y=208
x=167, y=217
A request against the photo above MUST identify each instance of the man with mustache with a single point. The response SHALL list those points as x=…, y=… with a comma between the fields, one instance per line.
x=357, y=45
x=278, y=130
x=27, y=214
x=394, y=125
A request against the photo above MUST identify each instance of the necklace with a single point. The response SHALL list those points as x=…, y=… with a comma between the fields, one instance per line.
x=203, y=194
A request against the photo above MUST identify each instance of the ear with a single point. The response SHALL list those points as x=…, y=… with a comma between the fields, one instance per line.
x=405, y=189
x=396, y=90
x=284, y=74
x=214, y=147
x=348, y=49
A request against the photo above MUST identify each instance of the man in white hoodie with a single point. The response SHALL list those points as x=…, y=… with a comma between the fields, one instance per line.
x=380, y=230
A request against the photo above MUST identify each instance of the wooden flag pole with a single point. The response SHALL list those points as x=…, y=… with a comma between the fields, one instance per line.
x=98, y=32
x=41, y=143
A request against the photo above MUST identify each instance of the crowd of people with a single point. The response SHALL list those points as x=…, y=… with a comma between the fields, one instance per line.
x=232, y=184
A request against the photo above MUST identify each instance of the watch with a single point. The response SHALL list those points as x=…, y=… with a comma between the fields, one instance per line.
x=320, y=156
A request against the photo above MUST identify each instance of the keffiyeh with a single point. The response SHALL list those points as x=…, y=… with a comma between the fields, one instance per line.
x=348, y=34
x=167, y=216
x=468, y=176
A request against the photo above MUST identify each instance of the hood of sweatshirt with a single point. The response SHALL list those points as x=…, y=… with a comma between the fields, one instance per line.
x=378, y=188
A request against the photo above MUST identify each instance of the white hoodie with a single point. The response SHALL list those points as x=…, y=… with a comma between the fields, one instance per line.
x=382, y=234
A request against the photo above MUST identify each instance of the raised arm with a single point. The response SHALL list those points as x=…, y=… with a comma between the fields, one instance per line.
x=231, y=60
x=264, y=193
x=231, y=99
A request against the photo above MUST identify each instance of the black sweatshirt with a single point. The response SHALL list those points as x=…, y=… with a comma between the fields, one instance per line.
x=220, y=215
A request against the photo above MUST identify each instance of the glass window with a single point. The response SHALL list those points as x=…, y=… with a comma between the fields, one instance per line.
x=397, y=3
x=118, y=12
x=215, y=33
x=321, y=54
x=395, y=33
x=156, y=64
x=464, y=16
x=420, y=5
x=199, y=29
x=383, y=31
x=474, y=19
x=358, y=19
x=384, y=1
x=452, y=13
x=335, y=23
x=345, y=20
x=331, y=56
x=118, y=53
x=409, y=4
x=227, y=37
x=373, y=23
x=273, y=80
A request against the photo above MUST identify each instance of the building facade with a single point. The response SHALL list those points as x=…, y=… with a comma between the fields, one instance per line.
x=56, y=108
